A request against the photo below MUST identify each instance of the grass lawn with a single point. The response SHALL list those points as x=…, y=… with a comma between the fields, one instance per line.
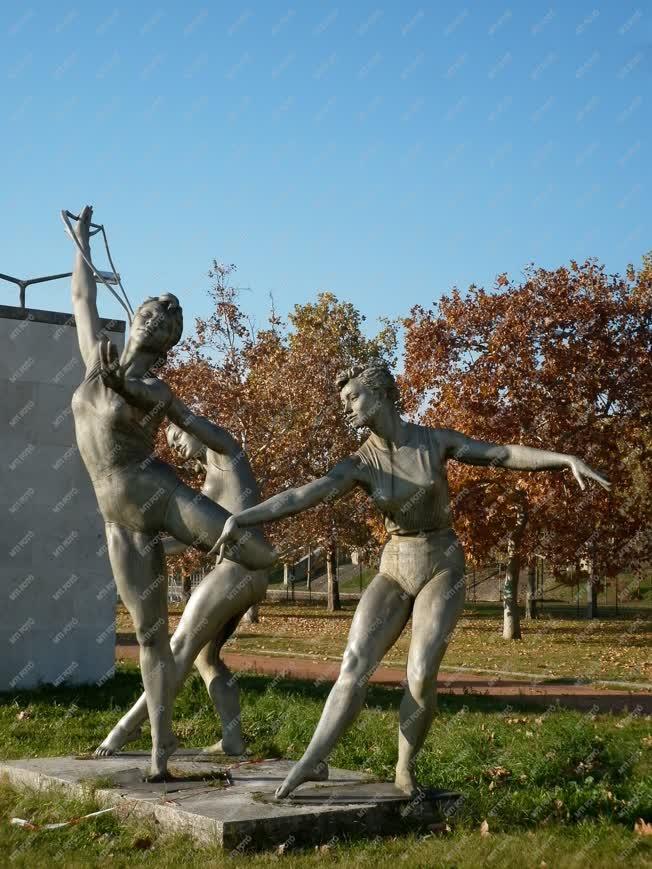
x=559, y=646
x=559, y=788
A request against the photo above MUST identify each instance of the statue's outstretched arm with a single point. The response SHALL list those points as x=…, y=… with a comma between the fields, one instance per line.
x=84, y=291
x=337, y=482
x=515, y=457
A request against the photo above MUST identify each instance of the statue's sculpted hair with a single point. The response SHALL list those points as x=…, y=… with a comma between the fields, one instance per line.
x=376, y=377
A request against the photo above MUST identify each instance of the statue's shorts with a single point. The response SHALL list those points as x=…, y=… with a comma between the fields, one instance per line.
x=413, y=560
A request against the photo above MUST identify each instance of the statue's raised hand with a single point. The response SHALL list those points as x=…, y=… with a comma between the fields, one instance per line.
x=111, y=371
x=82, y=226
x=582, y=471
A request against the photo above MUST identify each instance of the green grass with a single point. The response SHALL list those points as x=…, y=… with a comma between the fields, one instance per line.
x=548, y=784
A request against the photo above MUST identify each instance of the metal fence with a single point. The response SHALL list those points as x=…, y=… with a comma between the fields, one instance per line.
x=484, y=586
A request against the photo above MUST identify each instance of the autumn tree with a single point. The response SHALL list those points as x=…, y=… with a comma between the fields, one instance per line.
x=559, y=361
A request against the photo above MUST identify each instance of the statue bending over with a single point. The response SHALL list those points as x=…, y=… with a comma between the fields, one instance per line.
x=217, y=604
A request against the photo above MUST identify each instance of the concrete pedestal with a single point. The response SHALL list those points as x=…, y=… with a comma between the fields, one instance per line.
x=233, y=804
x=57, y=596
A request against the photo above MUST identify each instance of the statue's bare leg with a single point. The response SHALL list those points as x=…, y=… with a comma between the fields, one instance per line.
x=138, y=565
x=382, y=613
x=197, y=521
x=222, y=687
x=211, y=615
x=436, y=610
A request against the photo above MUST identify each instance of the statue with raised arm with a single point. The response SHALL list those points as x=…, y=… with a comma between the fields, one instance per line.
x=402, y=466
x=118, y=408
x=219, y=601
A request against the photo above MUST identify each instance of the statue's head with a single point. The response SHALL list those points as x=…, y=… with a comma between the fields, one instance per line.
x=364, y=390
x=157, y=324
x=185, y=445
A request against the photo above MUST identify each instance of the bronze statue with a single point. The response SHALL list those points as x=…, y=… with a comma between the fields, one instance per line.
x=402, y=466
x=117, y=410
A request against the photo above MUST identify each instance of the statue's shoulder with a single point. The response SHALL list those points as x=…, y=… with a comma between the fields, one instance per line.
x=420, y=433
x=364, y=451
x=434, y=438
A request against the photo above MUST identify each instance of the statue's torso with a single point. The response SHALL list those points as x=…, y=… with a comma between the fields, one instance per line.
x=408, y=484
x=230, y=481
x=111, y=433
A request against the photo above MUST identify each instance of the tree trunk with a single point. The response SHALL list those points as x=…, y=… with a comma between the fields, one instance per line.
x=251, y=616
x=186, y=588
x=511, y=619
x=531, y=597
x=333, y=583
x=592, y=586
x=286, y=575
x=591, y=597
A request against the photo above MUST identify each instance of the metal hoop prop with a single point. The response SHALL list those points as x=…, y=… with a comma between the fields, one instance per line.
x=67, y=216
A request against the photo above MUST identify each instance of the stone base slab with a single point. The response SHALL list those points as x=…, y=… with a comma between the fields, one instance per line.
x=232, y=804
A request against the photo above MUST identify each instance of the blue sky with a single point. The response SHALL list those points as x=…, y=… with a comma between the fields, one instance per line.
x=385, y=151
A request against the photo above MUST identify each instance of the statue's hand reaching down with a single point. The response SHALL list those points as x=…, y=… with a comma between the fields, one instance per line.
x=230, y=533
x=581, y=472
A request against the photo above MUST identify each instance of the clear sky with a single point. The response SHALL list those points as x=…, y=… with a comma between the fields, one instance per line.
x=385, y=151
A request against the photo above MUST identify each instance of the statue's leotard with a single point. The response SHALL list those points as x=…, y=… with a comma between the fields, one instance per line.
x=230, y=482
x=410, y=487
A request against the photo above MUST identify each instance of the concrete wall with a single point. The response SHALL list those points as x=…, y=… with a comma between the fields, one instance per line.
x=57, y=596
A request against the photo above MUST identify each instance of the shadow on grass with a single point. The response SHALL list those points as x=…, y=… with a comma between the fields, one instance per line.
x=126, y=686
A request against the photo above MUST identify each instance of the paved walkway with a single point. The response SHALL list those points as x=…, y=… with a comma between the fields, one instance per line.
x=583, y=697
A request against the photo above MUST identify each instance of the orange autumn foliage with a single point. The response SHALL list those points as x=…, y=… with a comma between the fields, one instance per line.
x=560, y=361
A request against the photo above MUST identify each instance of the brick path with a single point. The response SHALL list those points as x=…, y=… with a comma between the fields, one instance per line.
x=583, y=697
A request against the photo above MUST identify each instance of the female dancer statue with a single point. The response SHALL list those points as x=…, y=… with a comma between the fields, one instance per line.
x=402, y=466
x=117, y=409
x=219, y=601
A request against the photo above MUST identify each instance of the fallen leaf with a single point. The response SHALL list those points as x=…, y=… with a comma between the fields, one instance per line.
x=642, y=828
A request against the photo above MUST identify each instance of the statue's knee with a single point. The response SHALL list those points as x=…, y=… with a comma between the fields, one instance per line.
x=422, y=685
x=182, y=648
x=150, y=633
x=355, y=671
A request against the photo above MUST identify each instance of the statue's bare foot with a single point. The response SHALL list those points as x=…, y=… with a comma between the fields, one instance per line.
x=116, y=739
x=232, y=747
x=160, y=756
x=299, y=774
x=406, y=782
